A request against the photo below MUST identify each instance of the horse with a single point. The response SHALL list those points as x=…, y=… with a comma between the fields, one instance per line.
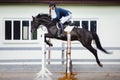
x=77, y=34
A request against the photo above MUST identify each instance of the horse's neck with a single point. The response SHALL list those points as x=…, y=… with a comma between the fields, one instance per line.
x=46, y=22
x=51, y=26
x=52, y=29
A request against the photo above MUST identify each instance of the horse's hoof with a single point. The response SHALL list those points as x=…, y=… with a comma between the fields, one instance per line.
x=101, y=65
x=50, y=44
x=109, y=52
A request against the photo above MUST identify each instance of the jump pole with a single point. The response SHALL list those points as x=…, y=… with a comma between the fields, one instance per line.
x=69, y=75
x=68, y=57
x=44, y=73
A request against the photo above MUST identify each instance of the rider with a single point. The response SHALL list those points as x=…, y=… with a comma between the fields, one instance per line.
x=59, y=14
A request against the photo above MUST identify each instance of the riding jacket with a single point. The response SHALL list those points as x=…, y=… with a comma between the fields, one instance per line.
x=61, y=13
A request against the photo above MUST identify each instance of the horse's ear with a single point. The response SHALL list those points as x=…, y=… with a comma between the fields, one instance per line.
x=33, y=18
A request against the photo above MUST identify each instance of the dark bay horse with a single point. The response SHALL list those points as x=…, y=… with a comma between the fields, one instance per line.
x=77, y=34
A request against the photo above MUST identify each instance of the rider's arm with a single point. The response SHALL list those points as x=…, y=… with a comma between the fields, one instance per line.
x=57, y=14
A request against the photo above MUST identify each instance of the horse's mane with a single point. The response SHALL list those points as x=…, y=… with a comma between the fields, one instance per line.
x=43, y=15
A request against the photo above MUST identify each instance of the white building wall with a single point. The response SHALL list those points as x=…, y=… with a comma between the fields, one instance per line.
x=108, y=30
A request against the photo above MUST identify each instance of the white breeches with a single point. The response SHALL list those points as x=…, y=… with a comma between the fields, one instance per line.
x=67, y=18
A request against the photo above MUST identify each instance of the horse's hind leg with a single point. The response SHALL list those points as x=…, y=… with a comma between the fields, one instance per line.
x=94, y=52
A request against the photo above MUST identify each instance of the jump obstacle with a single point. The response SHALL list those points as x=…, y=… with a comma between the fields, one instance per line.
x=44, y=73
x=69, y=74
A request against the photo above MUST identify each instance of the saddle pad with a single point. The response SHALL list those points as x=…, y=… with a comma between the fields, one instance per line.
x=68, y=28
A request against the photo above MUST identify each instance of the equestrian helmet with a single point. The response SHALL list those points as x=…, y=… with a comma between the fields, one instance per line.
x=52, y=4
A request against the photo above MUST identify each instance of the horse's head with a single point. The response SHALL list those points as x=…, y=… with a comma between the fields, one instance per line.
x=34, y=24
x=40, y=19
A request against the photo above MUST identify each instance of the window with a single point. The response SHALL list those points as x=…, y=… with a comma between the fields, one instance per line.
x=25, y=30
x=16, y=30
x=93, y=26
x=8, y=30
x=85, y=24
x=89, y=24
x=76, y=23
x=19, y=29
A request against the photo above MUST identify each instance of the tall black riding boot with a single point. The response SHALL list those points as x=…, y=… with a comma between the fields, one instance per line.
x=62, y=30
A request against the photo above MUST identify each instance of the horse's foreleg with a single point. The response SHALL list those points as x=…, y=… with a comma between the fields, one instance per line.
x=47, y=41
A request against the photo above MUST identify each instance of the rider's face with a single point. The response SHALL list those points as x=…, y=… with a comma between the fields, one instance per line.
x=52, y=7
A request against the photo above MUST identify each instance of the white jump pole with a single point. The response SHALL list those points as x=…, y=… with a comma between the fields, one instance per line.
x=68, y=56
x=44, y=74
x=69, y=75
x=68, y=53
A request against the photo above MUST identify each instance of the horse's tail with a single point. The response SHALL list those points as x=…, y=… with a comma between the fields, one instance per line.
x=98, y=44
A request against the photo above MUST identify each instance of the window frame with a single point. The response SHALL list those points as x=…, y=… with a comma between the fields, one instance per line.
x=38, y=34
x=87, y=19
x=12, y=41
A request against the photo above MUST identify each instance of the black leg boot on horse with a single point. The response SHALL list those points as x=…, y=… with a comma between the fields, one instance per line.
x=61, y=30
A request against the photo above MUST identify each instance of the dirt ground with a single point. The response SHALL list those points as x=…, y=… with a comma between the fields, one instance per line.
x=57, y=75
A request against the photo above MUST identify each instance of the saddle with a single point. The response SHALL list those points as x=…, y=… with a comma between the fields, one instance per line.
x=61, y=28
x=64, y=25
